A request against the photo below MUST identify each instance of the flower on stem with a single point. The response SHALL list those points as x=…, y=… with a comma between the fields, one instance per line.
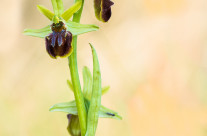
x=58, y=36
x=103, y=9
x=58, y=43
x=73, y=125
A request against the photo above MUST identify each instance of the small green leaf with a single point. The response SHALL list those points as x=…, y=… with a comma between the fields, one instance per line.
x=95, y=103
x=70, y=85
x=45, y=12
x=105, y=89
x=42, y=33
x=73, y=9
x=107, y=113
x=68, y=107
x=77, y=29
x=87, y=83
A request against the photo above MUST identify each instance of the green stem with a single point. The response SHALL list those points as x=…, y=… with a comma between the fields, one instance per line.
x=79, y=98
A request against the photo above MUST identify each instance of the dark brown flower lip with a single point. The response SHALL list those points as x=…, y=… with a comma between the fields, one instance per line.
x=58, y=27
x=103, y=9
x=59, y=44
x=106, y=10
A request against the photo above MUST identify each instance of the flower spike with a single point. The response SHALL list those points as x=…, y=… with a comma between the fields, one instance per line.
x=55, y=6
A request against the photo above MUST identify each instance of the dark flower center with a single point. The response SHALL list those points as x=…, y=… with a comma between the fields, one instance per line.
x=58, y=27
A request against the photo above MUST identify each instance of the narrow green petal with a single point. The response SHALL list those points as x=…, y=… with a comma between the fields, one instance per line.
x=73, y=9
x=55, y=7
x=60, y=7
x=68, y=107
x=45, y=12
x=77, y=29
x=70, y=85
x=38, y=32
x=95, y=102
x=87, y=83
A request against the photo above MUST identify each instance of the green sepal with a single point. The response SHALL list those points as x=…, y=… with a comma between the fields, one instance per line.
x=70, y=108
x=95, y=102
x=49, y=14
x=74, y=28
x=73, y=9
x=77, y=29
x=60, y=7
x=57, y=7
x=41, y=33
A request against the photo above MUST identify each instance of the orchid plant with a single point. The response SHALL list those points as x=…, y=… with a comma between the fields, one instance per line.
x=61, y=41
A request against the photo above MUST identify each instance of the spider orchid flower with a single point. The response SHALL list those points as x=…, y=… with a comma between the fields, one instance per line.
x=59, y=33
x=103, y=9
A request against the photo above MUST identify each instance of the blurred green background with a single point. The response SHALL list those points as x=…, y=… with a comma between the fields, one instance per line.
x=153, y=54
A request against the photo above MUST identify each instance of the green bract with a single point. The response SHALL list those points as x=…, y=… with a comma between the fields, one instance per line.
x=59, y=33
x=70, y=108
x=95, y=103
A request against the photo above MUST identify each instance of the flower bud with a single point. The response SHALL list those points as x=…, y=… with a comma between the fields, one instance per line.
x=73, y=125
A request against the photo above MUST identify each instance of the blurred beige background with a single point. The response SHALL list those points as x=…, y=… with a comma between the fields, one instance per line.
x=153, y=54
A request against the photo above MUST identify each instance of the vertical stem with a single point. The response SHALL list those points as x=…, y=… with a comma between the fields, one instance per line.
x=79, y=98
